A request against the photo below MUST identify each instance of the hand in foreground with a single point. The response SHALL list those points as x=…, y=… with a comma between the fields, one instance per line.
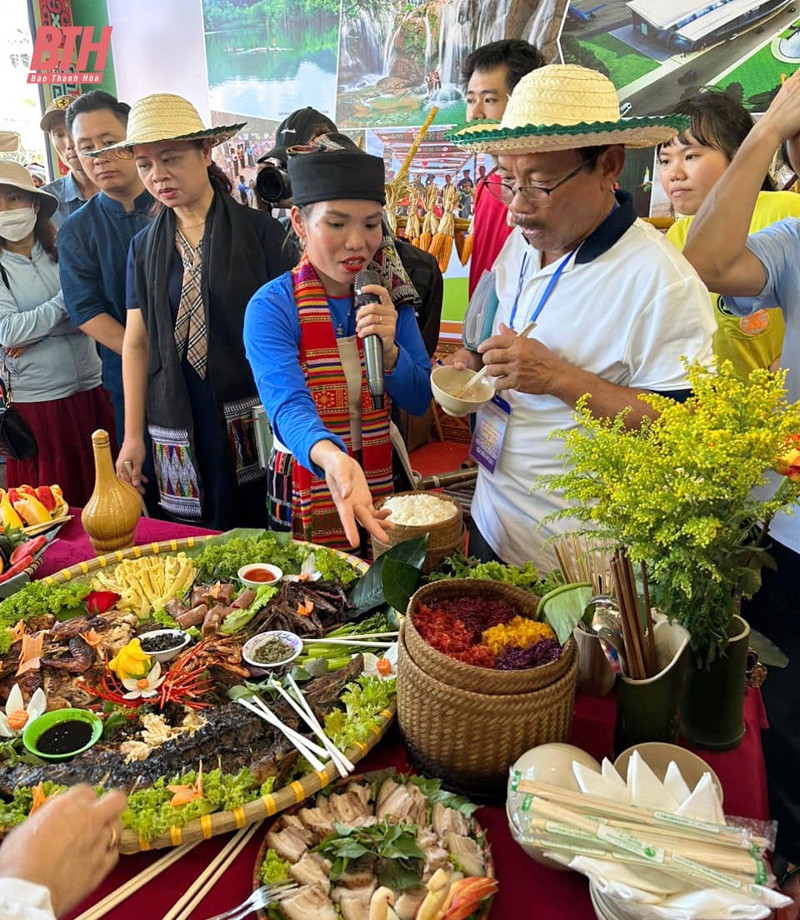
x=132, y=452
x=69, y=845
x=352, y=498
x=379, y=319
x=464, y=359
x=16, y=352
x=522, y=364
x=783, y=114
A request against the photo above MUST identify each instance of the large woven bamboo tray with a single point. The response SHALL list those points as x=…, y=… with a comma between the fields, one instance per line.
x=222, y=822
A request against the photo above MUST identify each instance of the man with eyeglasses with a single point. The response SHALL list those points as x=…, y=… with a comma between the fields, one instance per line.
x=616, y=309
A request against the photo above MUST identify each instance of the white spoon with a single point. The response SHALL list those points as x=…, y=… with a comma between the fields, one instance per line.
x=482, y=372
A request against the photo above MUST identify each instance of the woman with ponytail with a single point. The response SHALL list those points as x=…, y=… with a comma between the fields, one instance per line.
x=191, y=274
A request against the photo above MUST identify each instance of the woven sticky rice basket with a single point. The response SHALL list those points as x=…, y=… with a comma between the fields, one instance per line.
x=467, y=676
x=471, y=739
x=444, y=537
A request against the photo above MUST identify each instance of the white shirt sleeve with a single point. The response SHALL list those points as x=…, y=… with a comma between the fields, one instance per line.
x=677, y=323
x=21, y=900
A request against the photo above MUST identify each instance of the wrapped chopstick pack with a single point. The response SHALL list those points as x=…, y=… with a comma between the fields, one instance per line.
x=652, y=849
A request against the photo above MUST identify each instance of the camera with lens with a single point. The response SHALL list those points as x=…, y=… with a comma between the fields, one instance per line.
x=272, y=183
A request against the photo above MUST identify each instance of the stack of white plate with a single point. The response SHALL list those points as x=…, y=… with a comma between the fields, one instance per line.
x=602, y=905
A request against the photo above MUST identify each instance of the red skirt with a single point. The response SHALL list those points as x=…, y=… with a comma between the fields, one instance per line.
x=63, y=431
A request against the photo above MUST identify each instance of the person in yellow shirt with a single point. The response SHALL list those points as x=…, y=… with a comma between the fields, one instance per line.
x=689, y=166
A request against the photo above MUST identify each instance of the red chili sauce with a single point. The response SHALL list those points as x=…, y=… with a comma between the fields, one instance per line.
x=263, y=576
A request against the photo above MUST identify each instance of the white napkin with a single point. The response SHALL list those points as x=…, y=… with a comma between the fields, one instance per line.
x=703, y=803
x=608, y=784
x=634, y=893
x=646, y=789
x=693, y=905
x=676, y=784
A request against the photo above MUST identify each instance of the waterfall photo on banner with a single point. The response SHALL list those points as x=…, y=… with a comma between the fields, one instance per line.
x=399, y=58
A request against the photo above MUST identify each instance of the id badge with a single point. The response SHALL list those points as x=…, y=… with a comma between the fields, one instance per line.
x=490, y=430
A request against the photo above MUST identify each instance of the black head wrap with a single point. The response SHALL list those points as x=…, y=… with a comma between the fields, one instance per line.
x=328, y=170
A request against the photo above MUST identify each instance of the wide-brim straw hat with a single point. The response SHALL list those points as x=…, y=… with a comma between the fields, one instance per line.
x=561, y=107
x=15, y=175
x=166, y=117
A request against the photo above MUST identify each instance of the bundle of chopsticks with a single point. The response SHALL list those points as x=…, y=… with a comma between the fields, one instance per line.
x=308, y=748
x=582, y=559
x=640, y=647
x=697, y=853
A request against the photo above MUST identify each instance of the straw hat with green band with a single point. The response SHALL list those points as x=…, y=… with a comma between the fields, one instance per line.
x=561, y=107
x=165, y=117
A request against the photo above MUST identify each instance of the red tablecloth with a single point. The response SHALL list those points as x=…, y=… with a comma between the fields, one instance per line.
x=526, y=888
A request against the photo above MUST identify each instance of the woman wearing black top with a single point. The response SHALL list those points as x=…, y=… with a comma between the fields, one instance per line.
x=190, y=276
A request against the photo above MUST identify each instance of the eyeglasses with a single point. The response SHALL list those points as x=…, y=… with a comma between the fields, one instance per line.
x=505, y=190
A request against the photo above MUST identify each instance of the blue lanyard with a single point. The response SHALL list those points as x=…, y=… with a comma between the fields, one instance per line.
x=547, y=291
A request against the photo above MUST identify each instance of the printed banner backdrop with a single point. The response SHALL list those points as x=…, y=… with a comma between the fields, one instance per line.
x=658, y=52
x=382, y=65
x=61, y=13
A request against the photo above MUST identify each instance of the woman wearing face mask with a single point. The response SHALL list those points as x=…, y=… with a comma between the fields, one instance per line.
x=191, y=274
x=305, y=343
x=54, y=369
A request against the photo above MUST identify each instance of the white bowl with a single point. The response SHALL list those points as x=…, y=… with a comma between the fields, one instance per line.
x=259, y=668
x=446, y=381
x=658, y=754
x=246, y=572
x=549, y=763
x=182, y=639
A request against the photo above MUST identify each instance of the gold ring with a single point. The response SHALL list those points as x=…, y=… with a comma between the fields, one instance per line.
x=114, y=838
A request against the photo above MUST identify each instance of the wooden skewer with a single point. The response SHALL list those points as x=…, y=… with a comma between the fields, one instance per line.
x=633, y=652
x=482, y=372
x=648, y=612
x=304, y=745
x=579, y=847
x=116, y=897
x=639, y=815
x=357, y=643
x=184, y=906
x=668, y=860
x=722, y=856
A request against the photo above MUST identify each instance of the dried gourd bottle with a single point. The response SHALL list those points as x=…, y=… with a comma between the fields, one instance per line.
x=114, y=508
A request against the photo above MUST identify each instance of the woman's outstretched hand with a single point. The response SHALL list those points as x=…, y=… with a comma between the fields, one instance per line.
x=350, y=492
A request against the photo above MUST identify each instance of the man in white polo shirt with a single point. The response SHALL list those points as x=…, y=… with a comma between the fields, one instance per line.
x=616, y=308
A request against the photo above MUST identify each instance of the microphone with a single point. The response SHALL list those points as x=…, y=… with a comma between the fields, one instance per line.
x=373, y=349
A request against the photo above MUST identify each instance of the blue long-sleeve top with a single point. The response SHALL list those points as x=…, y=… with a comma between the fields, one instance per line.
x=272, y=344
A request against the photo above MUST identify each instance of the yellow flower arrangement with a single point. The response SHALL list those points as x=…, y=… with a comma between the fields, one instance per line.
x=679, y=491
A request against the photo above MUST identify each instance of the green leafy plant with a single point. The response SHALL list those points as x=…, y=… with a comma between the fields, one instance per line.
x=398, y=859
x=679, y=491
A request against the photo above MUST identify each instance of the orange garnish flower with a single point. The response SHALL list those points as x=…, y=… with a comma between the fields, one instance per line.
x=92, y=637
x=305, y=608
x=185, y=794
x=31, y=654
